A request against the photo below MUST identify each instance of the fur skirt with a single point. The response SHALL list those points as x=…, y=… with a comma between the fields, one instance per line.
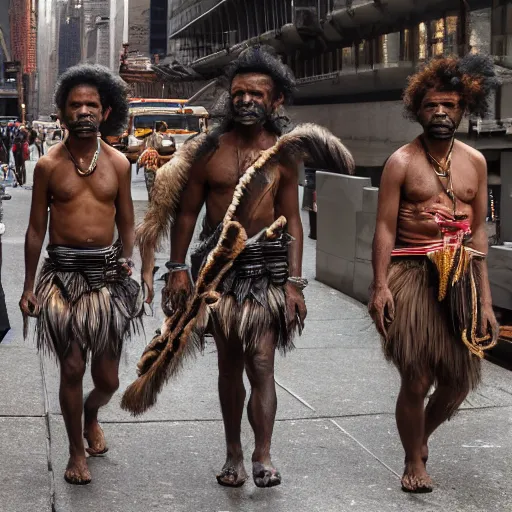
x=86, y=296
x=421, y=339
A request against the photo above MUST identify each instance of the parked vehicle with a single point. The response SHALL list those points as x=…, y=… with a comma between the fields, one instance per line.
x=182, y=123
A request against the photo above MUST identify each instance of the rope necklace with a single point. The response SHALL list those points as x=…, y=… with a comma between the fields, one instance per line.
x=92, y=166
x=443, y=171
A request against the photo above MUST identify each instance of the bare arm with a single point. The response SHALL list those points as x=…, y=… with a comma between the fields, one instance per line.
x=191, y=202
x=479, y=234
x=287, y=204
x=38, y=222
x=391, y=183
x=125, y=217
x=393, y=177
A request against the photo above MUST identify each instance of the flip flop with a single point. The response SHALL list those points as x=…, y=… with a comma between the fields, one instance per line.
x=91, y=451
x=265, y=476
x=76, y=481
x=230, y=471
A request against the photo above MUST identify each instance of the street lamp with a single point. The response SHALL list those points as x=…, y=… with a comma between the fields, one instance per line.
x=23, y=113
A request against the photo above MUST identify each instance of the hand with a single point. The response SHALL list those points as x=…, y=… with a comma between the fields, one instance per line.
x=295, y=306
x=176, y=291
x=381, y=307
x=488, y=321
x=28, y=304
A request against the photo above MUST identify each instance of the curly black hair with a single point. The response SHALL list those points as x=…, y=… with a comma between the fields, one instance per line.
x=472, y=76
x=259, y=59
x=112, y=89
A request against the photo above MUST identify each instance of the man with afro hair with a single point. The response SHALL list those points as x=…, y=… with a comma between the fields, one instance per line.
x=84, y=299
x=430, y=298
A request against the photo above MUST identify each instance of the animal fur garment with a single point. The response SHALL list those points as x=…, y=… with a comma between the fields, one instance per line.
x=311, y=143
x=183, y=331
x=86, y=296
x=165, y=195
x=420, y=340
x=163, y=357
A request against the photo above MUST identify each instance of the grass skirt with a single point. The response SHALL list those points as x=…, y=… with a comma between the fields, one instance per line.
x=421, y=339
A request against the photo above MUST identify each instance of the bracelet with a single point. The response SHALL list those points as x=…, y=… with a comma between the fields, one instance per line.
x=127, y=261
x=171, y=265
x=298, y=282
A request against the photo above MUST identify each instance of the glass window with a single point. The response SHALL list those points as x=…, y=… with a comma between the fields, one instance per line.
x=173, y=121
x=437, y=37
x=451, y=43
x=422, y=42
x=480, y=31
x=406, y=49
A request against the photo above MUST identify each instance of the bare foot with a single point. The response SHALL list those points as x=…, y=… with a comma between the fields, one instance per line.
x=265, y=475
x=77, y=472
x=95, y=437
x=233, y=474
x=416, y=479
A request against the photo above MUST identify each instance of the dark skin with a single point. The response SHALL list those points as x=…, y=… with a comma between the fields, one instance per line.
x=410, y=191
x=213, y=181
x=84, y=212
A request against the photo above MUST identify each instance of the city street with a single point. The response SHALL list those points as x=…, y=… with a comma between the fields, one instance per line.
x=335, y=439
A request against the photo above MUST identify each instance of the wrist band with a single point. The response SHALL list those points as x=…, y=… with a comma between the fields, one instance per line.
x=171, y=265
x=127, y=261
x=298, y=282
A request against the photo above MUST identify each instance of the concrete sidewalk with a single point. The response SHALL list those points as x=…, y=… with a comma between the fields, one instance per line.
x=335, y=439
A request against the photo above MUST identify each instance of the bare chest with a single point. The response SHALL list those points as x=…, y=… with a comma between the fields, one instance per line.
x=67, y=186
x=227, y=165
x=423, y=185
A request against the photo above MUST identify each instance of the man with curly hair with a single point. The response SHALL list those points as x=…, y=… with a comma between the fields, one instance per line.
x=431, y=299
x=247, y=177
x=84, y=300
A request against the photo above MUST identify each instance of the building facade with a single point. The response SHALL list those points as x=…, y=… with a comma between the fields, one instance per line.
x=23, y=37
x=351, y=58
x=8, y=83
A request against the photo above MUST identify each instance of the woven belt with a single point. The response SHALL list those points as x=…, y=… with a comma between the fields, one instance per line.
x=99, y=266
x=264, y=258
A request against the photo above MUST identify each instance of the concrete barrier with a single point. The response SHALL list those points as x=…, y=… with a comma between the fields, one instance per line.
x=347, y=211
x=347, y=207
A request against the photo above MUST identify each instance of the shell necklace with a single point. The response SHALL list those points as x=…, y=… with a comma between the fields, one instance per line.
x=92, y=166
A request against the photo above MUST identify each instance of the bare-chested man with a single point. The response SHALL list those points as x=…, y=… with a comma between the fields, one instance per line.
x=261, y=301
x=84, y=300
x=431, y=299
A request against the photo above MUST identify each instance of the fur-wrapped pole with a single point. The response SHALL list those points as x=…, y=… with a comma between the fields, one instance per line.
x=142, y=393
x=165, y=354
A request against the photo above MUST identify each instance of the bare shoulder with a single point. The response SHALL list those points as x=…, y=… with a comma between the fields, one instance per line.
x=474, y=155
x=399, y=162
x=120, y=162
x=49, y=162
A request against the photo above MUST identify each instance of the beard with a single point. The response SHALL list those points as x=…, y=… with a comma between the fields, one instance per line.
x=438, y=129
x=248, y=114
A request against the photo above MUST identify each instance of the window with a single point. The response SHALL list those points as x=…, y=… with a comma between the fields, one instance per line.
x=451, y=39
x=422, y=50
x=437, y=37
x=407, y=54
